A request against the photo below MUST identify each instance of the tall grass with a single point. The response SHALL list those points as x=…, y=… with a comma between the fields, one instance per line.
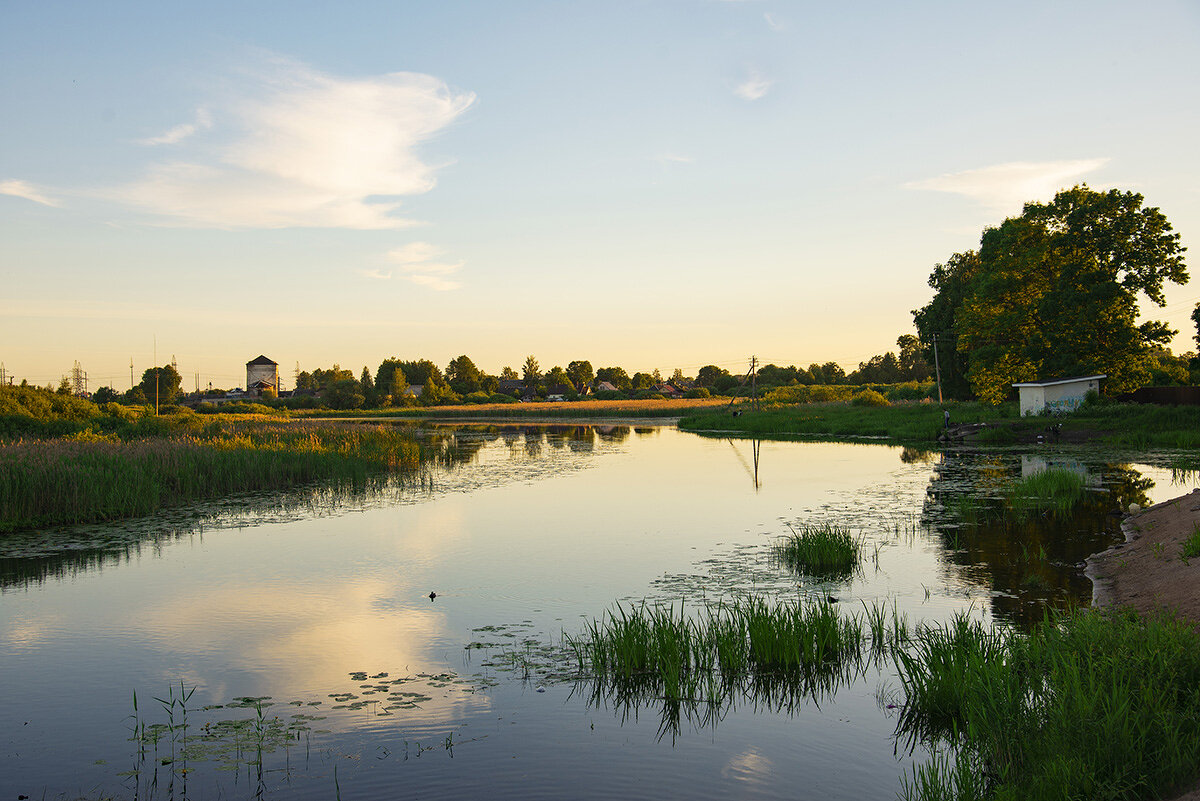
x=1090, y=705
x=95, y=477
x=1052, y=491
x=776, y=652
x=822, y=551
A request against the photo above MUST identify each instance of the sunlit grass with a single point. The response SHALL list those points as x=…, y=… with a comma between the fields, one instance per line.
x=95, y=477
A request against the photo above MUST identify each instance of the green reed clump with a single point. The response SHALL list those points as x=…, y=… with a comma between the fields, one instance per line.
x=1089, y=705
x=659, y=651
x=94, y=477
x=823, y=551
x=1052, y=491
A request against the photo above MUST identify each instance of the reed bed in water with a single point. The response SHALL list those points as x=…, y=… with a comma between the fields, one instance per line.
x=1052, y=491
x=93, y=477
x=822, y=551
x=661, y=651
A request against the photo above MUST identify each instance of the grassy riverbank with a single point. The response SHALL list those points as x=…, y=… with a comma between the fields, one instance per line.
x=576, y=410
x=110, y=467
x=1118, y=424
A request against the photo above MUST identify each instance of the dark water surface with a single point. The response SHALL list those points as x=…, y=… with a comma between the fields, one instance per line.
x=302, y=603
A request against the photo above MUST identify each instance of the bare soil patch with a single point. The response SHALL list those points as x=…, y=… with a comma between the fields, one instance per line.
x=1147, y=572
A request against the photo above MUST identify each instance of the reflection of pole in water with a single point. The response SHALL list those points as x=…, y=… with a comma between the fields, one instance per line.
x=756, y=448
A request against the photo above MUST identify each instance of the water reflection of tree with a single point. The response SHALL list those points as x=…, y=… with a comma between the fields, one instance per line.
x=1027, y=561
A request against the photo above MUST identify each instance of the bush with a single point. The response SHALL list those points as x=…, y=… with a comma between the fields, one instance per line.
x=698, y=392
x=476, y=397
x=500, y=397
x=609, y=394
x=869, y=397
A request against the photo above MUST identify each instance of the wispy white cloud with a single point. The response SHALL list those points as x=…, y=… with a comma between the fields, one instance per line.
x=674, y=158
x=754, y=87
x=774, y=22
x=1008, y=186
x=26, y=190
x=181, y=132
x=418, y=262
x=298, y=148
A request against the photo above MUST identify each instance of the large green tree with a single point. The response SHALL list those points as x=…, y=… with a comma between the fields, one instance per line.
x=1055, y=293
x=581, y=373
x=160, y=385
x=463, y=376
x=936, y=322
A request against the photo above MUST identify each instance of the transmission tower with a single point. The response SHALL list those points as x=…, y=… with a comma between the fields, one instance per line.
x=79, y=381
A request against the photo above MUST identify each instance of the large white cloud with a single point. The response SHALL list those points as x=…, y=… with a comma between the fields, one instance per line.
x=1007, y=187
x=295, y=147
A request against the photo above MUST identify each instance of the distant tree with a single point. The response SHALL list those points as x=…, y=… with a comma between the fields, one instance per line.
x=327, y=378
x=160, y=385
x=581, y=374
x=305, y=381
x=1167, y=369
x=344, y=393
x=134, y=397
x=531, y=372
x=105, y=395
x=657, y=376
x=421, y=370
x=643, y=381
x=390, y=377
x=833, y=372
x=709, y=374
x=64, y=386
x=463, y=376
x=508, y=374
x=615, y=376
x=368, y=388
x=884, y=369
x=678, y=379
x=558, y=376
x=431, y=394
x=913, y=366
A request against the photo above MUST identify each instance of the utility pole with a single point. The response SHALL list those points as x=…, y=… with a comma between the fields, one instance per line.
x=156, y=375
x=3, y=376
x=937, y=367
x=131, y=372
x=754, y=380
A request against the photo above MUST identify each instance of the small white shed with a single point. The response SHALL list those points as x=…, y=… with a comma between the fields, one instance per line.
x=1056, y=394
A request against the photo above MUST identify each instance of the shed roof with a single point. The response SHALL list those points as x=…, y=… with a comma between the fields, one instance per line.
x=262, y=360
x=1049, y=382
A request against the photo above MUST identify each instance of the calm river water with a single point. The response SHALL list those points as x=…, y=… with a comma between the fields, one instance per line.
x=315, y=664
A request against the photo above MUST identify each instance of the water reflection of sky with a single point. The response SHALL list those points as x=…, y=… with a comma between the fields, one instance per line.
x=538, y=529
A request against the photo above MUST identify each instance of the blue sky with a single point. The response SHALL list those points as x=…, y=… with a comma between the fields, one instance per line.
x=646, y=184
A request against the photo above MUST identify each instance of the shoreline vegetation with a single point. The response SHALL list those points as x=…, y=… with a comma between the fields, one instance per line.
x=64, y=460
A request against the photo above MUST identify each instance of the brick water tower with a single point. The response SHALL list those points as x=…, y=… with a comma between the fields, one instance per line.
x=261, y=373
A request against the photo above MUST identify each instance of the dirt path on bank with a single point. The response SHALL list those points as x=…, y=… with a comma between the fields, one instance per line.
x=1146, y=572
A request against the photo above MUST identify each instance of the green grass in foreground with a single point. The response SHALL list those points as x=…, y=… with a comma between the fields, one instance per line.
x=94, y=477
x=1090, y=705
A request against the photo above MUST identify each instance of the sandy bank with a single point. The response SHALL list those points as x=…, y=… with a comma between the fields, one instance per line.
x=1146, y=572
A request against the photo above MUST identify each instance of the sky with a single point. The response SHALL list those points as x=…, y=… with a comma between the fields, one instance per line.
x=653, y=184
